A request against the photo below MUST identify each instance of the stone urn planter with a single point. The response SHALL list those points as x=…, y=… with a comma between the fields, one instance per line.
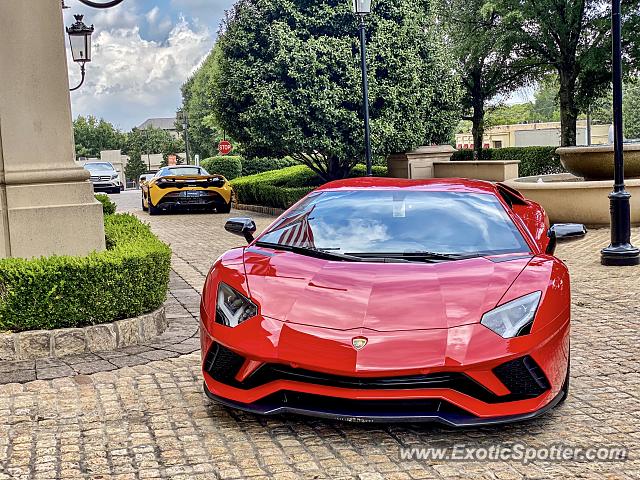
x=596, y=162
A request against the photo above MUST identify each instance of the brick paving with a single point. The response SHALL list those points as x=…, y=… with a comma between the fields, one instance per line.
x=152, y=421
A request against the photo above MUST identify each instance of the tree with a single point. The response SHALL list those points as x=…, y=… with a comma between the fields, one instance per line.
x=289, y=81
x=631, y=109
x=485, y=60
x=152, y=140
x=197, y=102
x=572, y=38
x=93, y=136
x=135, y=167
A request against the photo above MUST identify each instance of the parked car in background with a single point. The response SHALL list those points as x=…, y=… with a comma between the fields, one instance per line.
x=186, y=187
x=104, y=177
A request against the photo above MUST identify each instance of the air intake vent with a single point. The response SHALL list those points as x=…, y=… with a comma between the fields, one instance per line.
x=523, y=377
x=223, y=364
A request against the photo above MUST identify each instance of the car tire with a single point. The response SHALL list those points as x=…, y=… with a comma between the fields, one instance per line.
x=226, y=208
x=144, y=209
x=153, y=210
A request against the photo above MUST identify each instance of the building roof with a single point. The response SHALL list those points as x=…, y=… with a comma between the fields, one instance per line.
x=162, y=123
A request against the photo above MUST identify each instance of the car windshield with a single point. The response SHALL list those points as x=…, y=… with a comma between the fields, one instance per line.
x=400, y=223
x=99, y=167
x=182, y=172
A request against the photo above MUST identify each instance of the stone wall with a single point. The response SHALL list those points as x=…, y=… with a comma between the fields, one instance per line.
x=72, y=341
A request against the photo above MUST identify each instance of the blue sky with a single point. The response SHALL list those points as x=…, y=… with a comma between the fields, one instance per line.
x=143, y=51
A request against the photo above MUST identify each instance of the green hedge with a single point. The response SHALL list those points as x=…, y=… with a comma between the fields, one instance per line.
x=533, y=160
x=261, y=165
x=282, y=188
x=129, y=279
x=108, y=207
x=229, y=167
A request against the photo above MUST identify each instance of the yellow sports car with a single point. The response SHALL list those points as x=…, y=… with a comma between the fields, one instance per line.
x=186, y=187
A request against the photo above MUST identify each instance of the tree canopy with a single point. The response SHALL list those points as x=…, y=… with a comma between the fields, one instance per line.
x=288, y=81
x=93, y=136
x=151, y=140
x=487, y=65
x=572, y=38
x=197, y=102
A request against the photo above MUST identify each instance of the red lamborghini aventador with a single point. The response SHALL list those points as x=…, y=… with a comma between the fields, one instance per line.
x=393, y=300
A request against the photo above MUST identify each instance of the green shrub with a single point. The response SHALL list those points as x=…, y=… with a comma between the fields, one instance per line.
x=129, y=279
x=229, y=167
x=282, y=188
x=533, y=160
x=108, y=207
x=261, y=165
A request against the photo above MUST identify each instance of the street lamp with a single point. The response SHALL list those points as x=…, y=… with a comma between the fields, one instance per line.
x=621, y=252
x=362, y=8
x=80, y=41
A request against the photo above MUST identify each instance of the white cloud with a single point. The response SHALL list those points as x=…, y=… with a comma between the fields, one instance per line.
x=153, y=15
x=132, y=78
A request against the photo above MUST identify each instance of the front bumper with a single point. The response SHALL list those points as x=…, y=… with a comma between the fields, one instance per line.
x=456, y=384
x=100, y=186
x=375, y=412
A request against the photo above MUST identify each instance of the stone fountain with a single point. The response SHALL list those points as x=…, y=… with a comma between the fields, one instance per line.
x=581, y=196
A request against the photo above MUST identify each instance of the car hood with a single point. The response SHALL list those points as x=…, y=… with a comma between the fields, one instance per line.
x=383, y=297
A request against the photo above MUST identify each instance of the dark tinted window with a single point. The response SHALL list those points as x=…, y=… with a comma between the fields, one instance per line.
x=393, y=221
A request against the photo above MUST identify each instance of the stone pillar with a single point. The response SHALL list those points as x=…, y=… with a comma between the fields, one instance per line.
x=419, y=163
x=46, y=201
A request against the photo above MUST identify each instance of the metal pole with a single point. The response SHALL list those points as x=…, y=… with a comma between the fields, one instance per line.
x=186, y=137
x=146, y=131
x=365, y=91
x=621, y=252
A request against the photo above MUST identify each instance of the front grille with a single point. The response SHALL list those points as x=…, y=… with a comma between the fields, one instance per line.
x=223, y=365
x=362, y=408
x=523, y=377
x=100, y=178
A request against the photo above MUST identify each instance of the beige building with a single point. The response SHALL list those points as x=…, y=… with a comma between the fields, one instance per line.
x=533, y=135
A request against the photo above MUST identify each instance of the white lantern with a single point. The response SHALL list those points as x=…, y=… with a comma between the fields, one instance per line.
x=362, y=7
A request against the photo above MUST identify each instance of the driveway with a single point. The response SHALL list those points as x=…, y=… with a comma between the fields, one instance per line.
x=151, y=420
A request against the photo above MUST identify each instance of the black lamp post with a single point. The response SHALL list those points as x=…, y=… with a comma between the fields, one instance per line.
x=621, y=252
x=80, y=41
x=362, y=8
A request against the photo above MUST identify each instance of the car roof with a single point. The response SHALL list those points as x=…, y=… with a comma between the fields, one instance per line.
x=432, y=185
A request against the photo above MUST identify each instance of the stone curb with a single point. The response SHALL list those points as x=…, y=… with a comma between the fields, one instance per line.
x=73, y=341
x=260, y=209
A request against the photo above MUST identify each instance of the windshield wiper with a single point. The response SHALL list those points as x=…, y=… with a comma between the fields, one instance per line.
x=328, y=255
x=419, y=256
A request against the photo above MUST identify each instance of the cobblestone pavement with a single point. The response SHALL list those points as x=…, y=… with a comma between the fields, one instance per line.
x=152, y=421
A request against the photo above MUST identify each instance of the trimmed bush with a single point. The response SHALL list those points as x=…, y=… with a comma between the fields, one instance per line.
x=261, y=165
x=229, y=167
x=128, y=280
x=108, y=207
x=282, y=188
x=533, y=160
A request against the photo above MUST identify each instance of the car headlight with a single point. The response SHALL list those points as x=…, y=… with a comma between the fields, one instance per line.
x=114, y=176
x=514, y=318
x=233, y=308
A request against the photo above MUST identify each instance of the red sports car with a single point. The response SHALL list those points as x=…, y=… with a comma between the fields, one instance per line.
x=393, y=300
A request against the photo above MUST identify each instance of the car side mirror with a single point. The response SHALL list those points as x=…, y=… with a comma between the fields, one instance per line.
x=564, y=232
x=243, y=227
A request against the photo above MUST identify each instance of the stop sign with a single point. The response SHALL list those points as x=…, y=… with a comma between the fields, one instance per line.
x=225, y=147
